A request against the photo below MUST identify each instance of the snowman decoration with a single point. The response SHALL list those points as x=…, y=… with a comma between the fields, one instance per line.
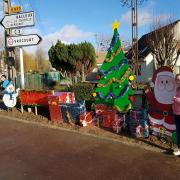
x=160, y=101
x=10, y=96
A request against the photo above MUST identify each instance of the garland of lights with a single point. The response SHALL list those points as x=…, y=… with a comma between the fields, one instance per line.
x=124, y=77
x=116, y=68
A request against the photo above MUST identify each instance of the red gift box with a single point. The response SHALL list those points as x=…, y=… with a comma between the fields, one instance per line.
x=87, y=119
x=101, y=108
x=55, y=113
x=62, y=97
x=28, y=97
x=108, y=118
x=118, y=123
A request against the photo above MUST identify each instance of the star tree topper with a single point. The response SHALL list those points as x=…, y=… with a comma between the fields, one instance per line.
x=115, y=25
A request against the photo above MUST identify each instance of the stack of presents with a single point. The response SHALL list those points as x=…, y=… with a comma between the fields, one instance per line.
x=63, y=108
x=138, y=123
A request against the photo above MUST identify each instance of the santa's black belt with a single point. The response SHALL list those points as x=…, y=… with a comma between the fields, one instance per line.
x=164, y=113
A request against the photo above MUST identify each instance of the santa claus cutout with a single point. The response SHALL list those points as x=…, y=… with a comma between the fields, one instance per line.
x=160, y=101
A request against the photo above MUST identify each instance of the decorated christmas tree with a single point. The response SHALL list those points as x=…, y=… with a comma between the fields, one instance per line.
x=115, y=77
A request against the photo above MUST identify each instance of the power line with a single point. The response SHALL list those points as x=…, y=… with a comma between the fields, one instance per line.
x=37, y=17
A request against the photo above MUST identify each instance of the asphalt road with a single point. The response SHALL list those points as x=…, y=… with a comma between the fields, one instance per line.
x=32, y=152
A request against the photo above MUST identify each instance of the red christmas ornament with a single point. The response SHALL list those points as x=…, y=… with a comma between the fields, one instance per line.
x=98, y=77
x=132, y=99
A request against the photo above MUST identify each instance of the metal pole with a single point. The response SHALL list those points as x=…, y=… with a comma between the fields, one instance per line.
x=9, y=51
x=21, y=67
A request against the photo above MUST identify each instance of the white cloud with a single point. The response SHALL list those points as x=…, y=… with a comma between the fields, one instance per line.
x=31, y=31
x=67, y=34
x=145, y=17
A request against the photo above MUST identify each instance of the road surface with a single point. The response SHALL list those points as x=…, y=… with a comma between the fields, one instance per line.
x=33, y=152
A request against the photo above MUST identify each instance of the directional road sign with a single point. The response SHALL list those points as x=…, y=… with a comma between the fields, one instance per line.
x=26, y=40
x=18, y=20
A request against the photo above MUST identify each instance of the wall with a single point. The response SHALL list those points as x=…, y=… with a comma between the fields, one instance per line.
x=177, y=31
x=147, y=70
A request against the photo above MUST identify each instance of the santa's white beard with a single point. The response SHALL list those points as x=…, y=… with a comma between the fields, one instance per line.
x=164, y=96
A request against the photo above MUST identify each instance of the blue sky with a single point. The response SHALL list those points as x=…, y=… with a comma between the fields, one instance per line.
x=78, y=20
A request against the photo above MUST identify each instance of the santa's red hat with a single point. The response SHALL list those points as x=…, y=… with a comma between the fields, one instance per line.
x=163, y=70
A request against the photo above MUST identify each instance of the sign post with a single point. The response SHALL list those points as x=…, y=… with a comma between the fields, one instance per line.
x=14, y=22
x=21, y=67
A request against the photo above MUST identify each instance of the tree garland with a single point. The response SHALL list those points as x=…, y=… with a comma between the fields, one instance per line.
x=116, y=68
x=126, y=110
x=112, y=95
x=126, y=75
x=113, y=54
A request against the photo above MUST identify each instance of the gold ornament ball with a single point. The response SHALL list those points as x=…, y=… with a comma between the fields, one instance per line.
x=94, y=94
x=131, y=78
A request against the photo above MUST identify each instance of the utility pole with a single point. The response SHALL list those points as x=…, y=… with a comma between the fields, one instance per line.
x=9, y=54
x=134, y=13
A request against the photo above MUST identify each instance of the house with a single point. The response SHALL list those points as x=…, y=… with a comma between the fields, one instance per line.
x=145, y=56
x=100, y=56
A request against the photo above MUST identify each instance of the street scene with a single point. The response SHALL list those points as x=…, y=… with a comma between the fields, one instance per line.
x=89, y=90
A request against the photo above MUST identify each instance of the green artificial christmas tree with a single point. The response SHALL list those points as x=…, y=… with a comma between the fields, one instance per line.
x=114, y=87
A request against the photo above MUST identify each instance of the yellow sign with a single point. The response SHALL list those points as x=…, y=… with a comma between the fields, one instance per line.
x=16, y=9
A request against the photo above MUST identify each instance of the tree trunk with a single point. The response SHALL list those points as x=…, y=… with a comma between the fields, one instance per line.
x=75, y=78
x=83, y=75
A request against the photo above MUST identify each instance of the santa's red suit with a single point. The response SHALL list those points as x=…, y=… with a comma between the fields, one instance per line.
x=160, y=115
x=160, y=102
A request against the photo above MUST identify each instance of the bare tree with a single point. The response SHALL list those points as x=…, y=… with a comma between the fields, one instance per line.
x=42, y=62
x=163, y=44
x=128, y=2
x=102, y=41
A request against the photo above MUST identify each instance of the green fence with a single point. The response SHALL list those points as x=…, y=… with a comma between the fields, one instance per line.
x=40, y=81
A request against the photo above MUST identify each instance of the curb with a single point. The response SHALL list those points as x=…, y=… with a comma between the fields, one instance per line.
x=133, y=144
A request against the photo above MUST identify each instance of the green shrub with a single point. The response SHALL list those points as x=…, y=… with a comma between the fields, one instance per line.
x=83, y=91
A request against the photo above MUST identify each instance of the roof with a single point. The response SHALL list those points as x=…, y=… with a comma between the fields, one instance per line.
x=100, y=56
x=143, y=47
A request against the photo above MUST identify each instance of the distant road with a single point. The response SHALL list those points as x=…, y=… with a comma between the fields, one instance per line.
x=32, y=152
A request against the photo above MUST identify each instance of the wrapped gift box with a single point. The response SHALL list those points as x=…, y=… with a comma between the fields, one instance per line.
x=138, y=114
x=55, y=113
x=88, y=119
x=138, y=123
x=139, y=128
x=118, y=123
x=108, y=118
x=100, y=109
x=142, y=132
x=28, y=97
x=74, y=109
x=62, y=97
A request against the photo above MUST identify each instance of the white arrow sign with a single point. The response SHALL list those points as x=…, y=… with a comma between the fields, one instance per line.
x=26, y=40
x=18, y=20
